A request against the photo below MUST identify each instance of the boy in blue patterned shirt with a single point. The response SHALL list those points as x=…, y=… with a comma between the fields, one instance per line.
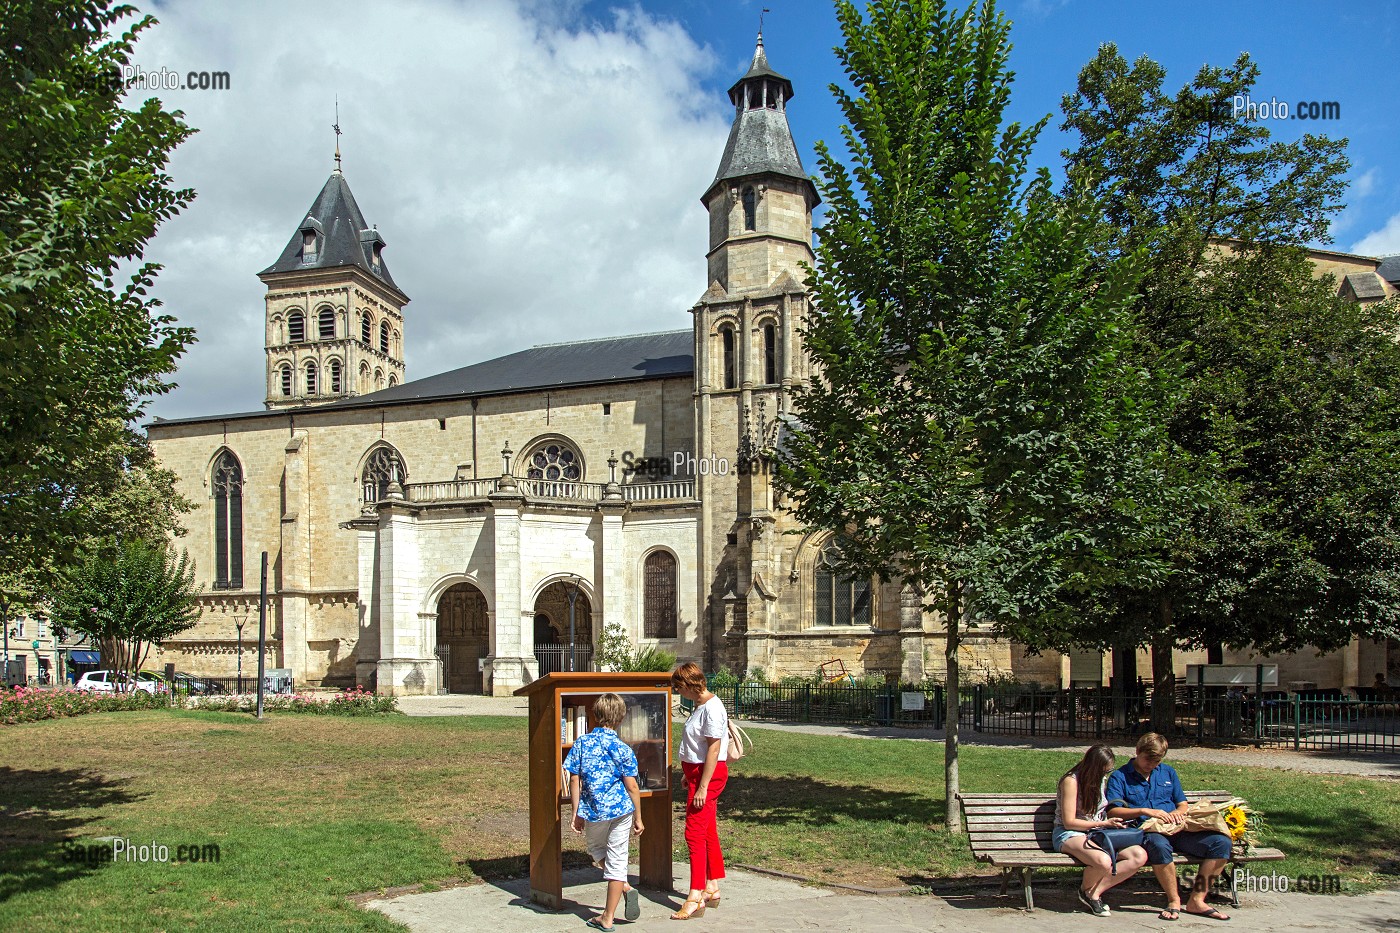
x=607, y=804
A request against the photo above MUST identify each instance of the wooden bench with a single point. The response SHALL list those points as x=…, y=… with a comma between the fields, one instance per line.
x=1012, y=832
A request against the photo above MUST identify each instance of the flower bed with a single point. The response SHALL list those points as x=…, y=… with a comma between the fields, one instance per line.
x=356, y=702
x=30, y=704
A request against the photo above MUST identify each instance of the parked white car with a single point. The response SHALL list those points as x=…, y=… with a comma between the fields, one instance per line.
x=111, y=681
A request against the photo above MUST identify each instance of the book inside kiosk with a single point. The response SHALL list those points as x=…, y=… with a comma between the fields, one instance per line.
x=561, y=710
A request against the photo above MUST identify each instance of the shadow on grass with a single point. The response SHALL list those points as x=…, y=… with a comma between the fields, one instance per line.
x=805, y=801
x=39, y=811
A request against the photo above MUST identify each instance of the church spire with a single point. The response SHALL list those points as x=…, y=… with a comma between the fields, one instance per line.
x=760, y=141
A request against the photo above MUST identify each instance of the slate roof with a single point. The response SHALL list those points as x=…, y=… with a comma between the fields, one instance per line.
x=344, y=237
x=1390, y=269
x=760, y=140
x=1365, y=285
x=551, y=366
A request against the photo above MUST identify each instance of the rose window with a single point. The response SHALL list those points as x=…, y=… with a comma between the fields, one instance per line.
x=554, y=461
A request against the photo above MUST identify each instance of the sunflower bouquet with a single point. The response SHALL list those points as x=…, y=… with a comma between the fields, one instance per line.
x=1243, y=824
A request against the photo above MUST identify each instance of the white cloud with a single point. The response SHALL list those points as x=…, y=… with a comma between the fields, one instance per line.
x=1381, y=242
x=1366, y=183
x=537, y=177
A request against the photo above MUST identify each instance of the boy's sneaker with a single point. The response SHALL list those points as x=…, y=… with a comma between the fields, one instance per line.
x=1095, y=906
x=631, y=905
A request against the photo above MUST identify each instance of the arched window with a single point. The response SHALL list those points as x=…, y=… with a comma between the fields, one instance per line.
x=296, y=327
x=285, y=377
x=750, y=209
x=659, y=596
x=366, y=328
x=364, y=377
x=334, y=367
x=383, y=467
x=228, y=522
x=770, y=354
x=393, y=380
x=311, y=378
x=554, y=460
x=325, y=324
x=383, y=336
x=378, y=379
x=839, y=599
x=726, y=336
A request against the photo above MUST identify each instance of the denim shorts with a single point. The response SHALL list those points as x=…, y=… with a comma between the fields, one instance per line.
x=1061, y=836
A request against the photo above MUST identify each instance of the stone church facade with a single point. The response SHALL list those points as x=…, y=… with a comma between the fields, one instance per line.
x=468, y=531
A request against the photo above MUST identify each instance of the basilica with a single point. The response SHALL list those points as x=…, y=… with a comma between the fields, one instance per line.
x=472, y=530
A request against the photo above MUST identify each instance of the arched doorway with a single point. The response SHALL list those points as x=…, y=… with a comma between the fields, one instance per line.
x=463, y=637
x=552, y=616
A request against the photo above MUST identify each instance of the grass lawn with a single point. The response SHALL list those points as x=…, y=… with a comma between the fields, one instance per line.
x=308, y=809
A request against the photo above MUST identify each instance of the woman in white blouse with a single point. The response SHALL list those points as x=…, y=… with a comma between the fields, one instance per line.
x=704, y=754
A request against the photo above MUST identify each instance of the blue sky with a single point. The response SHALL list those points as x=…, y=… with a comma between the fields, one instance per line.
x=536, y=166
x=1345, y=52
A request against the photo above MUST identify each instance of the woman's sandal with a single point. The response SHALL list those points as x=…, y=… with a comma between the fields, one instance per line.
x=697, y=909
x=712, y=902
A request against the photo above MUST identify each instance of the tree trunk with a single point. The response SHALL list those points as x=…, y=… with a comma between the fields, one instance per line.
x=1163, y=671
x=950, y=721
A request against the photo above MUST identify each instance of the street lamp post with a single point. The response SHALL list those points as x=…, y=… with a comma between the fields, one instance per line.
x=571, y=590
x=5, y=618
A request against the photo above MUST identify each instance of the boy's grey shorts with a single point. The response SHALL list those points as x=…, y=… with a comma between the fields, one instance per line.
x=607, y=842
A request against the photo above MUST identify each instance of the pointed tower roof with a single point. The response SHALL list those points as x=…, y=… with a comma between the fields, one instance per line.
x=342, y=237
x=760, y=141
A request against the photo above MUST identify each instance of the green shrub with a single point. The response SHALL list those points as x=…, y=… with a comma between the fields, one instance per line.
x=31, y=704
x=649, y=659
x=723, y=678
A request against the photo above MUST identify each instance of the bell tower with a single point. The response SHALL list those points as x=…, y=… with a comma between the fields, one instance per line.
x=761, y=200
x=748, y=359
x=334, y=316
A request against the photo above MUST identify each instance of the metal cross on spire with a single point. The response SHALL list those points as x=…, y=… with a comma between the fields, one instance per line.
x=760, y=24
x=336, y=126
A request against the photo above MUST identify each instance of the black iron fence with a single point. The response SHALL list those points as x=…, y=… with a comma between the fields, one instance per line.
x=190, y=685
x=1330, y=720
x=556, y=658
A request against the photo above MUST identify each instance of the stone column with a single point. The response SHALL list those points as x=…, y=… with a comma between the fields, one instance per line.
x=405, y=667
x=366, y=648
x=611, y=591
x=508, y=667
x=294, y=583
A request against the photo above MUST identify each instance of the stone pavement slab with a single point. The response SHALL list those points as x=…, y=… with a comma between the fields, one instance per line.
x=758, y=903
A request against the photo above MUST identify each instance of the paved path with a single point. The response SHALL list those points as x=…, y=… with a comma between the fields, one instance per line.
x=1368, y=764
x=757, y=903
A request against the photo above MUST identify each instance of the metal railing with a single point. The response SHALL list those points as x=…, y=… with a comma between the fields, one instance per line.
x=195, y=685
x=555, y=658
x=1319, y=720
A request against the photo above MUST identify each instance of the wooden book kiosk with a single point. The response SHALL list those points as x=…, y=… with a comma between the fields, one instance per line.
x=561, y=710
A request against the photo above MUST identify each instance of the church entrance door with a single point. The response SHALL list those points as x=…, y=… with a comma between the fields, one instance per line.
x=463, y=637
x=552, y=649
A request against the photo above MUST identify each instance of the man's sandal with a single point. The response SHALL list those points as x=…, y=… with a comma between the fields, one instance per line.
x=1170, y=913
x=1210, y=913
x=697, y=909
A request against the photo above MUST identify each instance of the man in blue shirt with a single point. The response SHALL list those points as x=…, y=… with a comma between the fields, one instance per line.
x=607, y=804
x=1145, y=788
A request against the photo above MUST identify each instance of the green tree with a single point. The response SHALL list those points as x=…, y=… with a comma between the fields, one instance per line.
x=1289, y=404
x=83, y=188
x=971, y=429
x=129, y=599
